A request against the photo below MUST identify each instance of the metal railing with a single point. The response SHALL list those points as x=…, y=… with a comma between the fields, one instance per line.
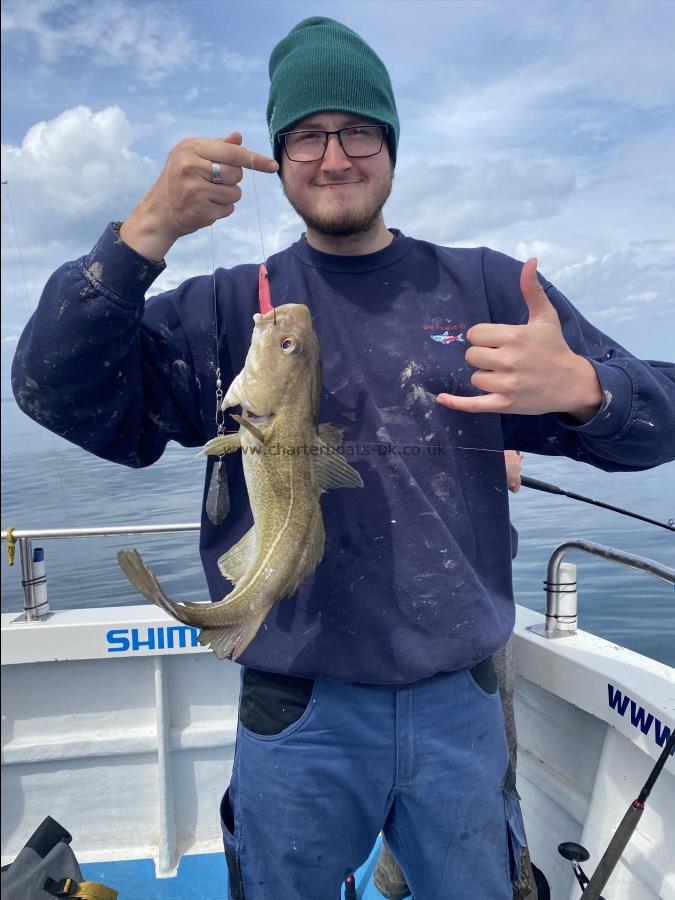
x=33, y=579
x=561, y=583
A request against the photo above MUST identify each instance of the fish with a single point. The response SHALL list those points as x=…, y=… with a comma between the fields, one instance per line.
x=288, y=461
x=446, y=338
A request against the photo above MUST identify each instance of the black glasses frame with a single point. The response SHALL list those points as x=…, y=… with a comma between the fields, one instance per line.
x=384, y=130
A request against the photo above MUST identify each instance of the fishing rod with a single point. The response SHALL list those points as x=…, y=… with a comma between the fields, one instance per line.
x=526, y=481
x=575, y=853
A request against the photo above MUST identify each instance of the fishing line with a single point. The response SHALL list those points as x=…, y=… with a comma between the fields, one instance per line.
x=217, y=503
x=55, y=452
x=220, y=418
x=476, y=449
x=257, y=209
x=264, y=299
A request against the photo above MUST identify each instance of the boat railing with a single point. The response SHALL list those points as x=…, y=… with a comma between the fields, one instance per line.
x=33, y=576
x=561, y=583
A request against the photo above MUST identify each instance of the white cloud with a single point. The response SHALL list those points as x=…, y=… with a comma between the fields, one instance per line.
x=610, y=289
x=243, y=64
x=77, y=169
x=450, y=203
x=147, y=37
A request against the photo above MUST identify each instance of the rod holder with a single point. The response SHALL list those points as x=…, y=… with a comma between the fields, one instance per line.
x=560, y=616
x=34, y=583
x=561, y=589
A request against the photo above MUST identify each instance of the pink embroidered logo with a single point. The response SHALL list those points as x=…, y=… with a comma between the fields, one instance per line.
x=446, y=338
x=444, y=332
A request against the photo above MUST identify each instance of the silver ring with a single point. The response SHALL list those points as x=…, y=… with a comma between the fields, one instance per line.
x=215, y=173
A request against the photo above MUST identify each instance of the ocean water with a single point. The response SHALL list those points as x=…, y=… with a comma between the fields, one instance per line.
x=67, y=488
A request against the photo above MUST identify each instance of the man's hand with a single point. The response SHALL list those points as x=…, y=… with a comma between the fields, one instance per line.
x=184, y=198
x=528, y=369
x=513, y=460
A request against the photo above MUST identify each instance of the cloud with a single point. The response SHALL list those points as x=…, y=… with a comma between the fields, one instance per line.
x=73, y=171
x=635, y=284
x=243, y=64
x=448, y=203
x=67, y=179
x=147, y=37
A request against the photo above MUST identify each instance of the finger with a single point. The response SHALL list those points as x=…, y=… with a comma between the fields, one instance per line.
x=221, y=210
x=228, y=176
x=487, y=403
x=234, y=154
x=488, y=334
x=493, y=382
x=487, y=358
x=224, y=193
x=234, y=138
x=538, y=304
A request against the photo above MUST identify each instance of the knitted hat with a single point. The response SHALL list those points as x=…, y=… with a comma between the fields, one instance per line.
x=323, y=66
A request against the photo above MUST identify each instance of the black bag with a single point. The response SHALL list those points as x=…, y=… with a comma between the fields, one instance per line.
x=47, y=868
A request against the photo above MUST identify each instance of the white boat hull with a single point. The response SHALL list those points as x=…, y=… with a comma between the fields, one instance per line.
x=120, y=728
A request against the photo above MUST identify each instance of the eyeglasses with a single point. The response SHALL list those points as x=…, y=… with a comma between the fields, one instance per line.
x=357, y=142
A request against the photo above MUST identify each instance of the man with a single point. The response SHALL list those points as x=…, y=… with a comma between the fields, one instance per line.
x=369, y=699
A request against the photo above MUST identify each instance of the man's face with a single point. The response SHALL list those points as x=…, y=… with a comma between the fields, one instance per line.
x=337, y=196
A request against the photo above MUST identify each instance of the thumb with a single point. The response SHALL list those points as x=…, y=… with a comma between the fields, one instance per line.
x=234, y=138
x=538, y=304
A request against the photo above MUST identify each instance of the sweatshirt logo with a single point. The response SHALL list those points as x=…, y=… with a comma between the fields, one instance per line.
x=446, y=338
x=443, y=332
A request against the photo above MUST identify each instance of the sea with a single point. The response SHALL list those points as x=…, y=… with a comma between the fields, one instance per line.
x=67, y=488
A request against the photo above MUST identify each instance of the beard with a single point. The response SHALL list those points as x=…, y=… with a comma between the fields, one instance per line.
x=346, y=222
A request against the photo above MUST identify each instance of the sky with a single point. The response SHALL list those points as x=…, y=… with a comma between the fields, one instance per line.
x=535, y=128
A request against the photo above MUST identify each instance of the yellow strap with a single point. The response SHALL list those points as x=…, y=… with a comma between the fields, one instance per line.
x=11, y=546
x=91, y=890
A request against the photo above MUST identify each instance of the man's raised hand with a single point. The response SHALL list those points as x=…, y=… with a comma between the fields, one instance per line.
x=184, y=197
x=528, y=369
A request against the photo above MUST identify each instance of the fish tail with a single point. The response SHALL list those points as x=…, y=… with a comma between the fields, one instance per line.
x=231, y=641
x=145, y=581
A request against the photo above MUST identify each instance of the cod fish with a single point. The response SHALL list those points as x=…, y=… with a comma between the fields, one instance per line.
x=288, y=460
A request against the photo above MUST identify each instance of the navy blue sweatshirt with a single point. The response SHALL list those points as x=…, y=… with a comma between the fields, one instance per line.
x=416, y=576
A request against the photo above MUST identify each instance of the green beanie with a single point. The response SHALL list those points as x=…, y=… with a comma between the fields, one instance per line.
x=323, y=66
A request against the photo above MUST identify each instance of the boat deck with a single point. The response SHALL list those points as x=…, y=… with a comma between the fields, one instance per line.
x=201, y=877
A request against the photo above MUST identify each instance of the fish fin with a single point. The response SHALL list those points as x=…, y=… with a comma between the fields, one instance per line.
x=231, y=641
x=330, y=434
x=250, y=427
x=312, y=554
x=145, y=581
x=234, y=562
x=222, y=444
x=332, y=470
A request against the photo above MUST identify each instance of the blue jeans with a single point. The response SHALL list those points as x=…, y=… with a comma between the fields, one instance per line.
x=322, y=767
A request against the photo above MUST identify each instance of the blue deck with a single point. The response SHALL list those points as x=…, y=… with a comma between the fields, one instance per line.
x=199, y=878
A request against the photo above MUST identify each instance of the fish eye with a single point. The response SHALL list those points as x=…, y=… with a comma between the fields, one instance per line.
x=289, y=345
